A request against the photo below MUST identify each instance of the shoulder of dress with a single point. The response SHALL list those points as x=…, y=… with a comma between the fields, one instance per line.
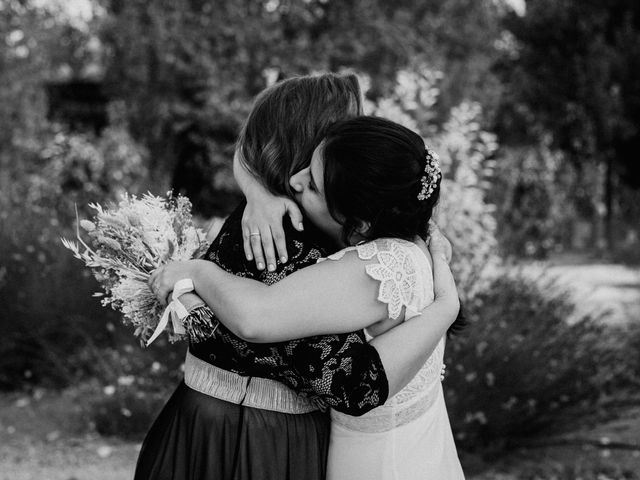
x=338, y=255
x=396, y=267
x=368, y=250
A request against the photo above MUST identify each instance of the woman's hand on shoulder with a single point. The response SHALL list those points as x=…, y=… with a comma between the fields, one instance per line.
x=438, y=243
x=262, y=228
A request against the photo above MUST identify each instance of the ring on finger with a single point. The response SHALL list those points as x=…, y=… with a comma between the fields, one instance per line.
x=254, y=233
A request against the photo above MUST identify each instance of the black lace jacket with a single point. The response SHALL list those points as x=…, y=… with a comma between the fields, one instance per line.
x=341, y=371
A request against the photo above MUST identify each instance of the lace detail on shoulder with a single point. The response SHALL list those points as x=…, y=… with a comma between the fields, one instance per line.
x=395, y=270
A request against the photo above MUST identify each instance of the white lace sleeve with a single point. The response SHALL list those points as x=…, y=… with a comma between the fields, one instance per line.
x=395, y=269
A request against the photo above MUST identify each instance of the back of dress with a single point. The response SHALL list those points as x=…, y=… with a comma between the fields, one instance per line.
x=409, y=436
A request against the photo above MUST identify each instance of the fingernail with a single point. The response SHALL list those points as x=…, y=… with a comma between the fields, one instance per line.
x=249, y=257
x=260, y=266
x=300, y=226
x=283, y=259
x=271, y=267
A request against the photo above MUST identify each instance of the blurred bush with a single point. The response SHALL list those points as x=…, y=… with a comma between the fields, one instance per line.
x=46, y=307
x=125, y=391
x=544, y=204
x=464, y=212
x=627, y=228
x=532, y=208
x=529, y=363
x=121, y=388
x=77, y=168
x=466, y=152
x=127, y=414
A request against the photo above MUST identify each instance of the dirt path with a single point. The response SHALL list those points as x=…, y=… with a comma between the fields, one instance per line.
x=600, y=287
x=82, y=458
x=600, y=452
x=43, y=437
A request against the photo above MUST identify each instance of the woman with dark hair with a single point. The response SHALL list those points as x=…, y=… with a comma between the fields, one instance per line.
x=371, y=188
x=249, y=410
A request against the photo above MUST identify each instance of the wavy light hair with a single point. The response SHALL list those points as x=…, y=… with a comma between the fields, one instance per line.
x=289, y=119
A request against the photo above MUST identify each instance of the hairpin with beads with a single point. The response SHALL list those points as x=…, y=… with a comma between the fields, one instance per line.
x=432, y=174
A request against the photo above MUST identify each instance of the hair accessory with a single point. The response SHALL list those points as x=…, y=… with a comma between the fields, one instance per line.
x=432, y=174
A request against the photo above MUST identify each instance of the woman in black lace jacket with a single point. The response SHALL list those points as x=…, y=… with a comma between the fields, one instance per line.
x=251, y=410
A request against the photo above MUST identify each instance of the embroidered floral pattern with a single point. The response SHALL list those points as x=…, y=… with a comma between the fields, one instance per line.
x=396, y=273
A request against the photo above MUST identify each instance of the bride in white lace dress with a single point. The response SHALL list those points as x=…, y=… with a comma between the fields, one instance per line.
x=371, y=187
x=409, y=437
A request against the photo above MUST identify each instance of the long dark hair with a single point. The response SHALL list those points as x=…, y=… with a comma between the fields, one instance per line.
x=373, y=175
x=287, y=122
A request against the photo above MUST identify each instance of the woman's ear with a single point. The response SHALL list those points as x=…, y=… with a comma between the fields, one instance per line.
x=360, y=233
x=363, y=228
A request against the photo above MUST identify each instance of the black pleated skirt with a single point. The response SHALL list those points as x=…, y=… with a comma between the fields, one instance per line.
x=198, y=437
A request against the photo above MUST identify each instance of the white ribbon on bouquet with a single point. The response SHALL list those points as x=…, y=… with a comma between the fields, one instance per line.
x=175, y=311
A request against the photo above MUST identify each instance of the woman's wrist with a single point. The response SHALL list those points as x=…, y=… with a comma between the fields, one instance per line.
x=196, y=272
x=251, y=186
x=256, y=194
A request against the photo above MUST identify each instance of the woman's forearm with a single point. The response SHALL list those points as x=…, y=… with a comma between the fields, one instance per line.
x=248, y=183
x=405, y=349
x=326, y=298
x=234, y=299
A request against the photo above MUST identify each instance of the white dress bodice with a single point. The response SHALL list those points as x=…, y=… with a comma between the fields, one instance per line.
x=359, y=444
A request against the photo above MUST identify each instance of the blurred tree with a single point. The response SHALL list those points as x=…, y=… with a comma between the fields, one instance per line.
x=572, y=72
x=38, y=44
x=189, y=68
x=46, y=308
x=24, y=62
